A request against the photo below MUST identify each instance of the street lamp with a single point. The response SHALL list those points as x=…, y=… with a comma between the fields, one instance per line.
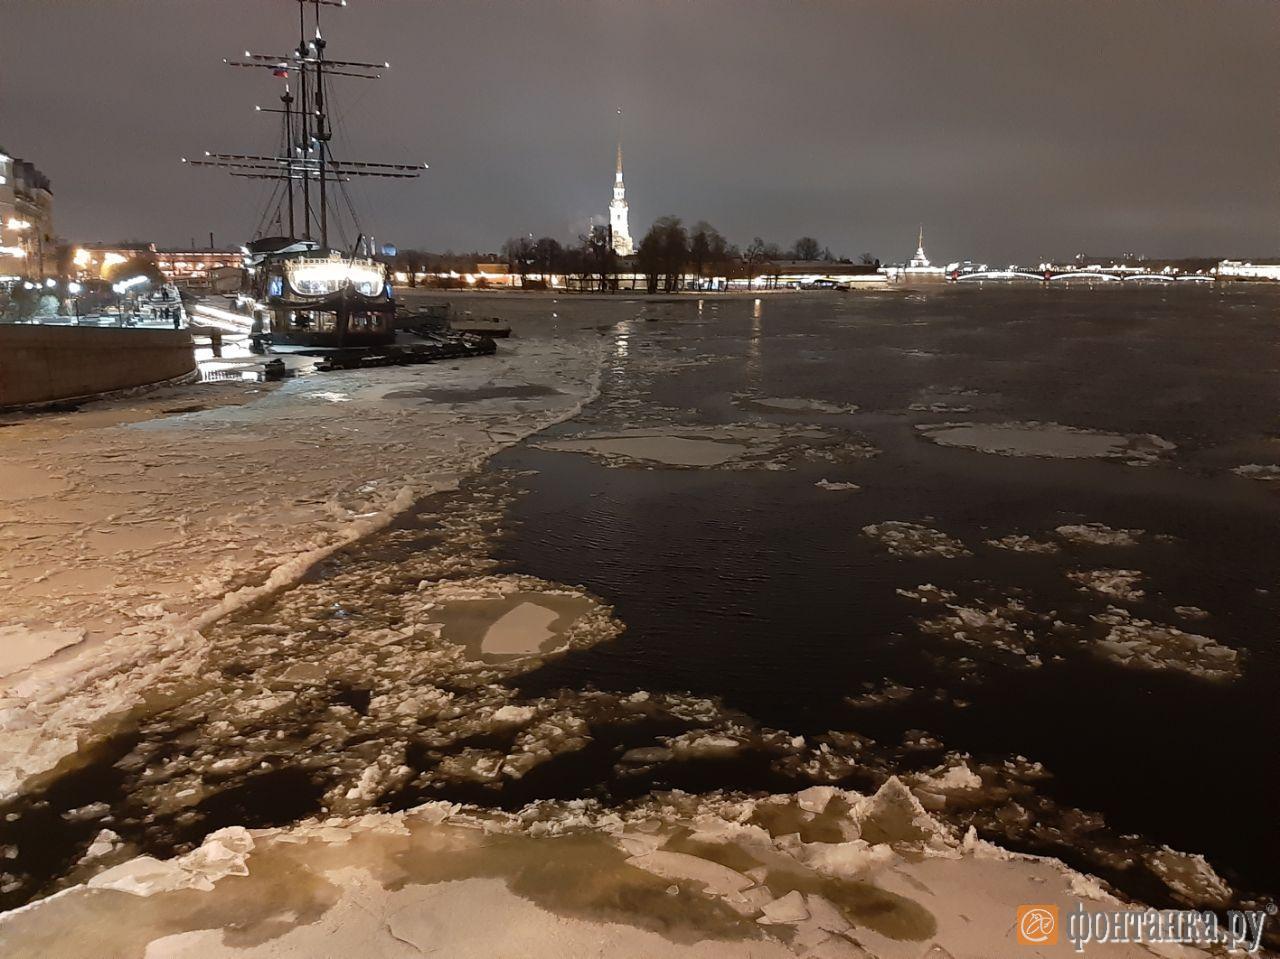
x=75, y=289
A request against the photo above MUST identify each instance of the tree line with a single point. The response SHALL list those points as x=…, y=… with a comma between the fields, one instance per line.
x=670, y=257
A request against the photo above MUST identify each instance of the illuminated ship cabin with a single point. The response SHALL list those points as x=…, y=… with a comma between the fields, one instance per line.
x=309, y=298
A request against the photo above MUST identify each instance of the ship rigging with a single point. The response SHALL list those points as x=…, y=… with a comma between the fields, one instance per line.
x=309, y=294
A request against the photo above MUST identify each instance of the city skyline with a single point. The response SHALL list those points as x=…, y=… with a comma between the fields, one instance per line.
x=1100, y=127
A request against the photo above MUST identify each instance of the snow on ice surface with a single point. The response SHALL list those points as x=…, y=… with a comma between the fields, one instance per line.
x=668, y=450
x=1120, y=584
x=1142, y=644
x=1264, y=472
x=824, y=873
x=792, y=404
x=831, y=486
x=1098, y=534
x=140, y=528
x=914, y=539
x=1048, y=440
x=20, y=647
x=522, y=630
x=739, y=446
x=357, y=677
x=1004, y=628
x=1019, y=543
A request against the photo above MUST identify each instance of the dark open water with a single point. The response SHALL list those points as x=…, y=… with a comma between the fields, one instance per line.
x=757, y=586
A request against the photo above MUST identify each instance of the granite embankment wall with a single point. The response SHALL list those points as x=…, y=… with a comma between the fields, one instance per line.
x=39, y=364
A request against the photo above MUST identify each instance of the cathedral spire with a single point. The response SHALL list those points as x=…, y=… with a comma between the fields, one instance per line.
x=619, y=230
x=618, y=175
x=919, y=261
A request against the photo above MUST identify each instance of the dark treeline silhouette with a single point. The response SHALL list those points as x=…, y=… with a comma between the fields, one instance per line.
x=669, y=257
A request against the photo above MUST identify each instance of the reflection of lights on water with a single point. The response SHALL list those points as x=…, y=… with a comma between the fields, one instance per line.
x=622, y=343
x=753, y=342
x=621, y=346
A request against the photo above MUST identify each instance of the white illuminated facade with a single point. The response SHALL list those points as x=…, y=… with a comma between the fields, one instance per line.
x=918, y=267
x=1245, y=270
x=26, y=220
x=919, y=261
x=618, y=227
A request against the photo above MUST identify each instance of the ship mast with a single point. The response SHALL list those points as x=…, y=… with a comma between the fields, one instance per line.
x=307, y=156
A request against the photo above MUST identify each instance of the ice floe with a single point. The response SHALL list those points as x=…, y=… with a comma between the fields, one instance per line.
x=831, y=486
x=915, y=540
x=742, y=446
x=1051, y=440
x=1118, y=584
x=1259, y=471
x=1004, y=628
x=129, y=531
x=775, y=404
x=824, y=873
x=1019, y=543
x=1142, y=644
x=1098, y=534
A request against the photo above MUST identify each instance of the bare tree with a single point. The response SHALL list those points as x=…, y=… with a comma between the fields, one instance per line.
x=411, y=263
x=675, y=250
x=806, y=248
x=649, y=258
x=518, y=252
x=707, y=248
x=599, y=257
x=753, y=259
x=547, y=256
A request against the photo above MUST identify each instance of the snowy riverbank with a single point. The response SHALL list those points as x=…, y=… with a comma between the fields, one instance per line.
x=131, y=525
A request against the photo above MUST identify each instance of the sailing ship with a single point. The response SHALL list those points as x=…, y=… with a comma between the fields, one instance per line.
x=308, y=294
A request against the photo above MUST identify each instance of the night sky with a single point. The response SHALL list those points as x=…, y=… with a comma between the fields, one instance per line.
x=1014, y=129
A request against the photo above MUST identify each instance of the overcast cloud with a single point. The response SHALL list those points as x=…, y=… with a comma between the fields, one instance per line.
x=1013, y=129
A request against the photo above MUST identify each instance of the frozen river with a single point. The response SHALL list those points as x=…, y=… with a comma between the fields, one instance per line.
x=1014, y=545
x=1150, y=411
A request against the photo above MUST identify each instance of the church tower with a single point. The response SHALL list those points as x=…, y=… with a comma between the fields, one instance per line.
x=919, y=261
x=618, y=227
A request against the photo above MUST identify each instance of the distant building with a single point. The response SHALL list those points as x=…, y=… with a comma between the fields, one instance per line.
x=619, y=230
x=918, y=267
x=198, y=268
x=94, y=260
x=27, y=243
x=1249, y=270
x=813, y=273
x=465, y=276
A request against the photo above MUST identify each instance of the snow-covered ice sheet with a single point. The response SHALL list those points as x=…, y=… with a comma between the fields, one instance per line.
x=131, y=529
x=1048, y=440
x=822, y=873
